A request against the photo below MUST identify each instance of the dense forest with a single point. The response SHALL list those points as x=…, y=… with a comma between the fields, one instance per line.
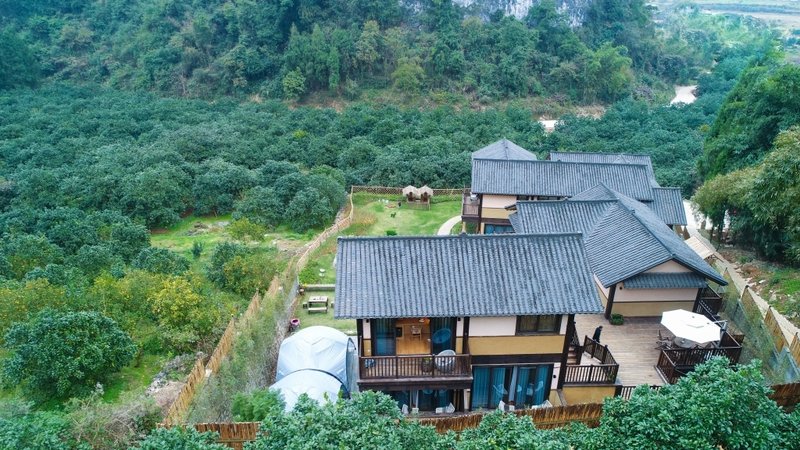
x=292, y=49
x=750, y=162
x=120, y=118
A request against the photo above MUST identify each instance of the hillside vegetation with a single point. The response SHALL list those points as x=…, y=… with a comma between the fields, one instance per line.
x=291, y=49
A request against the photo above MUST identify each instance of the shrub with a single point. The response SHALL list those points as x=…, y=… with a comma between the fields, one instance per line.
x=22, y=429
x=258, y=405
x=243, y=229
x=178, y=438
x=391, y=232
x=616, y=319
x=161, y=260
x=65, y=354
x=197, y=249
x=223, y=253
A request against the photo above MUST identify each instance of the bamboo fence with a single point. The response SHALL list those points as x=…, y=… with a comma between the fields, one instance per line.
x=178, y=408
x=554, y=417
x=222, y=349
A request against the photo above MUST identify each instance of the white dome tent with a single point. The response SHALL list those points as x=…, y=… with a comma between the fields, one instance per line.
x=318, y=385
x=320, y=348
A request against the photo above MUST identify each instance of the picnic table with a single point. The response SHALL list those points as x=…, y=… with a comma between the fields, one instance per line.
x=318, y=303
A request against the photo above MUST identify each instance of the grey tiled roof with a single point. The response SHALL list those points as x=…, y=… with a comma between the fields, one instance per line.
x=687, y=280
x=559, y=216
x=504, y=150
x=668, y=204
x=560, y=179
x=624, y=238
x=609, y=158
x=475, y=275
x=597, y=192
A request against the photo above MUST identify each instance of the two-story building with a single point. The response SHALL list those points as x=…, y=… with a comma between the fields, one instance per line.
x=641, y=267
x=504, y=173
x=469, y=321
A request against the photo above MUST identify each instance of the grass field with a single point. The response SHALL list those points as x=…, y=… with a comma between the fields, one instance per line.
x=310, y=319
x=374, y=215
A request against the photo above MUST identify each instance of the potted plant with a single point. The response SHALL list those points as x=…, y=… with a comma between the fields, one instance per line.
x=427, y=364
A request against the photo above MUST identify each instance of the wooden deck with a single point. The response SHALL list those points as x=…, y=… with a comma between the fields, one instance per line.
x=632, y=344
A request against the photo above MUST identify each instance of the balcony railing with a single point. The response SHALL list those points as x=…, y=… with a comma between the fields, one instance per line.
x=415, y=366
x=470, y=207
x=603, y=373
x=677, y=362
x=708, y=303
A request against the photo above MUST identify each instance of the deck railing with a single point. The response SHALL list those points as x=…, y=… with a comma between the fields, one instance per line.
x=627, y=391
x=708, y=303
x=414, y=366
x=605, y=372
x=676, y=362
x=587, y=374
x=470, y=207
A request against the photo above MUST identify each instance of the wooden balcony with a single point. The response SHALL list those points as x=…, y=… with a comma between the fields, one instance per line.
x=676, y=362
x=432, y=371
x=470, y=208
x=603, y=371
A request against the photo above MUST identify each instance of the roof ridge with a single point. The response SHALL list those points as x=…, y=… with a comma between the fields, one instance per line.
x=457, y=236
x=601, y=153
x=549, y=161
x=639, y=219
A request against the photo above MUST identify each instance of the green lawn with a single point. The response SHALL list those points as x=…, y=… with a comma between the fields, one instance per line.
x=310, y=319
x=380, y=214
x=374, y=215
x=135, y=377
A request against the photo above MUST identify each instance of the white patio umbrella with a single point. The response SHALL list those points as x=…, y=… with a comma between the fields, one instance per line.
x=688, y=325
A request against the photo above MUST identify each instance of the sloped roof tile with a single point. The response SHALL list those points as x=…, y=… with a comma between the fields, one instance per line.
x=476, y=275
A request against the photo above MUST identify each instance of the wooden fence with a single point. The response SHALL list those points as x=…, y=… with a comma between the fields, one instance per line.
x=180, y=407
x=234, y=435
x=387, y=190
x=784, y=335
x=786, y=396
x=177, y=410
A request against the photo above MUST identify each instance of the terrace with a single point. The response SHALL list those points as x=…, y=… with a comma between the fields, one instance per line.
x=640, y=360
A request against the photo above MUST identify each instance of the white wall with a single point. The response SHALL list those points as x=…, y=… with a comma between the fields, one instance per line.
x=493, y=326
x=498, y=201
x=669, y=266
x=649, y=295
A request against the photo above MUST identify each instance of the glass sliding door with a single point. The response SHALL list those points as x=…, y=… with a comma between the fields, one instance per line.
x=443, y=334
x=383, y=337
x=525, y=386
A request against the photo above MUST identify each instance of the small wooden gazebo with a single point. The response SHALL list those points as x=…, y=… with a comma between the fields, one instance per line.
x=425, y=194
x=411, y=193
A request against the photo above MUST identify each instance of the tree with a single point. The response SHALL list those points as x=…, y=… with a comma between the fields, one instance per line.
x=369, y=420
x=408, y=76
x=294, y=85
x=64, y=354
x=18, y=66
x=24, y=252
x=712, y=407
x=308, y=209
x=219, y=185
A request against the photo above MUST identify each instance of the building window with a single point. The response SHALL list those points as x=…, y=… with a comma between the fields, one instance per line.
x=524, y=386
x=497, y=229
x=550, y=323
